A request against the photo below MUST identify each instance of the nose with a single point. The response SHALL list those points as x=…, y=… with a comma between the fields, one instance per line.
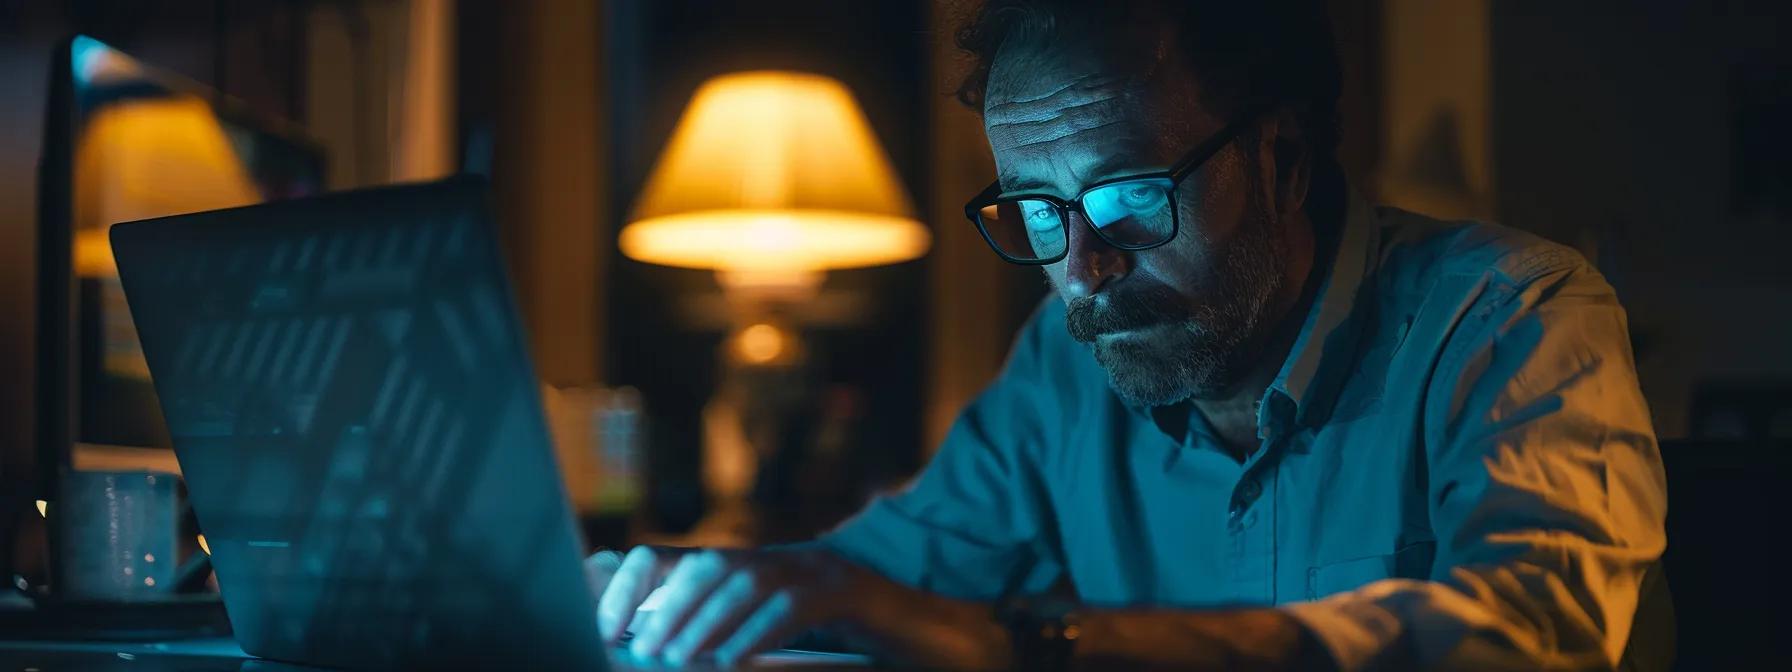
x=1091, y=263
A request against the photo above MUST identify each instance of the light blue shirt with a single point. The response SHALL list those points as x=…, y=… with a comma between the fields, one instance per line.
x=1457, y=467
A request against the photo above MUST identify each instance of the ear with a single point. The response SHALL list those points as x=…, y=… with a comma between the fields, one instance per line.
x=1287, y=163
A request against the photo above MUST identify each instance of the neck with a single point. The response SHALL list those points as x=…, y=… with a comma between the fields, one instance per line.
x=1233, y=412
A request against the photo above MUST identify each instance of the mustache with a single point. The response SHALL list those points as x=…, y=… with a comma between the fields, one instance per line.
x=1135, y=308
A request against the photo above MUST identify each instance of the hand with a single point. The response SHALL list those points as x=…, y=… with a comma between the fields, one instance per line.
x=721, y=603
x=730, y=604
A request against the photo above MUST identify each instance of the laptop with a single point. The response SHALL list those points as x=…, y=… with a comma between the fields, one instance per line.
x=357, y=418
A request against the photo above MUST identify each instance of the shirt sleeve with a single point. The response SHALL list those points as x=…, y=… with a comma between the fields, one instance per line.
x=1546, y=490
x=974, y=524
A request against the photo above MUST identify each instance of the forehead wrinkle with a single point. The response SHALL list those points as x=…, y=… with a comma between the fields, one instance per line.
x=1021, y=104
x=1021, y=100
x=1023, y=109
x=1059, y=116
x=1019, y=136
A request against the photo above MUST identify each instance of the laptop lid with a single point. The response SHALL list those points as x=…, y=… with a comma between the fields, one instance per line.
x=347, y=388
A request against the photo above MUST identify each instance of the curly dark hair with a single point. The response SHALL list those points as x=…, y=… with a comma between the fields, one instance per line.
x=1247, y=54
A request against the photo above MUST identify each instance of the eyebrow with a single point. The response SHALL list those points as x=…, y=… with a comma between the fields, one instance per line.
x=1107, y=168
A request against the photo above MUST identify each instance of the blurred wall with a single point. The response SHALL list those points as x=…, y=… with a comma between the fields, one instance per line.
x=549, y=108
x=1616, y=128
x=352, y=54
x=1434, y=70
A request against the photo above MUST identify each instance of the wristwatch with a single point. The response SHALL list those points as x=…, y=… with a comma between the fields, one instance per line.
x=1042, y=631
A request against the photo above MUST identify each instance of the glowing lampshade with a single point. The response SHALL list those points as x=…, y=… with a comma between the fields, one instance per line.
x=149, y=158
x=773, y=174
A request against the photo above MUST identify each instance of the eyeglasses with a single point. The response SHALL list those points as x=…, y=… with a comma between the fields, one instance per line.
x=1130, y=213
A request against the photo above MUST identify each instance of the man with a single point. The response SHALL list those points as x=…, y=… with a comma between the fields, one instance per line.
x=1278, y=428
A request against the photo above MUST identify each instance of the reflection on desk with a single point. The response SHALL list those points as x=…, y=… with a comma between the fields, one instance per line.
x=195, y=654
x=208, y=655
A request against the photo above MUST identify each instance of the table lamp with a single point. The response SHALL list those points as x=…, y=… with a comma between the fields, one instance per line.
x=771, y=179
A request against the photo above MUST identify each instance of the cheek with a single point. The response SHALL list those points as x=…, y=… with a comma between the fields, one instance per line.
x=1182, y=265
x=1215, y=210
x=1208, y=218
x=1192, y=261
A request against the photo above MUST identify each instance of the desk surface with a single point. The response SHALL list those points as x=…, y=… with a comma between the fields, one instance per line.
x=207, y=655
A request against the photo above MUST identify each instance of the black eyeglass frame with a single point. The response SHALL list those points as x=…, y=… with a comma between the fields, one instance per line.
x=1178, y=172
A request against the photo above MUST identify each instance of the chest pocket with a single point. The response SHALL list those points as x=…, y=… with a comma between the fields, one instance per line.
x=1412, y=561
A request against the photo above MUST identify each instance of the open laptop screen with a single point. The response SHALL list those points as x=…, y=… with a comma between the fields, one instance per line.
x=346, y=385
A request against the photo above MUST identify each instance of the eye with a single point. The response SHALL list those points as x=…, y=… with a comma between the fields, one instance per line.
x=1140, y=197
x=1040, y=216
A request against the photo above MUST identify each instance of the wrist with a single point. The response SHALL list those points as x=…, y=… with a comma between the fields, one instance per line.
x=912, y=626
x=1258, y=638
x=970, y=633
x=1042, y=630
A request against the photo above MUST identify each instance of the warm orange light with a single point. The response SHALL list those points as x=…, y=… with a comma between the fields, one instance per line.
x=773, y=172
x=204, y=546
x=760, y=343
x=93, y=254
x=148, y=158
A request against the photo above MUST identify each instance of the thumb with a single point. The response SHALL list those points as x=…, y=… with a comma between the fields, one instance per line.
x=599, y=568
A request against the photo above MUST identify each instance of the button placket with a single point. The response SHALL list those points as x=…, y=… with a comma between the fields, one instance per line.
x=1251, y=566
x=1243, y=499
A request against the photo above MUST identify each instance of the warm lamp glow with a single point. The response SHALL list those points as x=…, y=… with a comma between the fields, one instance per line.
x=760, y=343
x=773, y=172
x=150, y=158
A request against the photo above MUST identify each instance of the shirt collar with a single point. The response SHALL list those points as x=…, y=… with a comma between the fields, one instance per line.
x=1310, y=377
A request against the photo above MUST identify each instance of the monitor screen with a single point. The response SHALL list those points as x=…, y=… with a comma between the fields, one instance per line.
x=141, y=143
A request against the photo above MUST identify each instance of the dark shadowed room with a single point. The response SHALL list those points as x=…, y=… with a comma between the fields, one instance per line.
x=1038, y=335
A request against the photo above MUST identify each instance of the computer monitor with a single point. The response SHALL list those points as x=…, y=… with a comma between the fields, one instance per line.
x=124, y=141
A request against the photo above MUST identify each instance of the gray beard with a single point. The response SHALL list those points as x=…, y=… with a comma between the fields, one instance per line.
x=1205, y=355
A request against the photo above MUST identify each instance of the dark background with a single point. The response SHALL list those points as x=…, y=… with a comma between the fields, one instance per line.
x=1651, y=135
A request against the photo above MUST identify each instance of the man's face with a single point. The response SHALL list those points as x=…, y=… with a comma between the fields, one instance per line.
x=1179, y=321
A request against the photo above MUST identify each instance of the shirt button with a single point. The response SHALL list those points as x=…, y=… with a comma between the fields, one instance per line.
x=1249, y=491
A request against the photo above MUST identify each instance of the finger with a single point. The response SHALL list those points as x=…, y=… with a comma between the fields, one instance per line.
x=687, y=587
x=717, y=619
x=640, y=572
x=599, y=568
x=775, y=621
